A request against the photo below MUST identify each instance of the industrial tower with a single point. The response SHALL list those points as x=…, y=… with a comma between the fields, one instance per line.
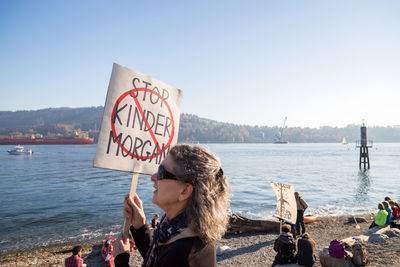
x=363, y=145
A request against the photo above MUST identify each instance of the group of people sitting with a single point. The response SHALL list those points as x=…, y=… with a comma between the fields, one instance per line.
x=388, y=214
x=285, y=246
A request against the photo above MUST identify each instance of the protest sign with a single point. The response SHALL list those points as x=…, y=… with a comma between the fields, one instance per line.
x=140, y=122
x=286, y=208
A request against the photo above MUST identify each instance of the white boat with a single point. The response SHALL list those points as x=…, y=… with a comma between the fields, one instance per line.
x=20, y=150
x=344, y=141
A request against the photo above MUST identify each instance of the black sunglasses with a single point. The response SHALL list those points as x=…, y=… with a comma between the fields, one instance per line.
x=164, y=174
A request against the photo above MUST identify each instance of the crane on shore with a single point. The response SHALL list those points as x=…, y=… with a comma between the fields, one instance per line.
x=279, y=137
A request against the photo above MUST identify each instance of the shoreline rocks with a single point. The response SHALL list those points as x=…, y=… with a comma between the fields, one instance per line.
x=246, y=249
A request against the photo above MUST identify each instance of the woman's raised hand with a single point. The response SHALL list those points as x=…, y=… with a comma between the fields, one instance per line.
x=133, y=211
x=121, y=245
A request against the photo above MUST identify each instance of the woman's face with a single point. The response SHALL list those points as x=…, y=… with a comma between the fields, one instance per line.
x=167, y=191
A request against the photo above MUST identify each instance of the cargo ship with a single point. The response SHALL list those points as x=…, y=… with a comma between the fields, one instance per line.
x=46, y=141
x=79, y=138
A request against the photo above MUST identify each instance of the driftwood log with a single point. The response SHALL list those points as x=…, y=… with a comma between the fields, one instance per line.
x=239, y=224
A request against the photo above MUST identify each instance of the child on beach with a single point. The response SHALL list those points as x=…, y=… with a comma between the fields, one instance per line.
x=380, y=217
x=75, y=260
x=389, y=211
x=285, y=246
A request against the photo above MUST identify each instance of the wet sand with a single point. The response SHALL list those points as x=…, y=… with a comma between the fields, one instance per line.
x=247, y=249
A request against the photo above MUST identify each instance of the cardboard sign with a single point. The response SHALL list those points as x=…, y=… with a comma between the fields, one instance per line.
x=140, y=122
x=286, y=207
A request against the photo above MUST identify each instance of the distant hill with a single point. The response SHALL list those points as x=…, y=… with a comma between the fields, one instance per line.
x=84, y=118
x=192, y=128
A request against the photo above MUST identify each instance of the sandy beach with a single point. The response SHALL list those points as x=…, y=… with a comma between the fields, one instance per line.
x=254, y=249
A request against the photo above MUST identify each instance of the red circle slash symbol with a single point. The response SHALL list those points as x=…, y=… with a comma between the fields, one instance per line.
x=131, y=92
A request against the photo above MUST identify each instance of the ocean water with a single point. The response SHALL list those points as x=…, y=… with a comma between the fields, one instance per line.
x=55, y=195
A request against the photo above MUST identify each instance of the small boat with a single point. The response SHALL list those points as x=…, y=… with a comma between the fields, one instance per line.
x=310, y=218
x=20, y=150
x=281, y=142
x=344, y=141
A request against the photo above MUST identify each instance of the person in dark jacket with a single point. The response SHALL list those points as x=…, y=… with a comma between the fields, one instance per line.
x=305, y=250
x=192, y=190
x=285, y=246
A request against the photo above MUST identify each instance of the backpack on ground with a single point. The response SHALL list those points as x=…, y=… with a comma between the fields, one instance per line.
x=360, y=254
x=337, y=249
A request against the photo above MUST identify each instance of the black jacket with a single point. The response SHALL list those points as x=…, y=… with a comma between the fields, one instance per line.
x=305, y=252
x=189, y=251
x=286, y=248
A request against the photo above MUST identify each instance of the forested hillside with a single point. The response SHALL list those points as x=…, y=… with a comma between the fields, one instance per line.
x=192, y=128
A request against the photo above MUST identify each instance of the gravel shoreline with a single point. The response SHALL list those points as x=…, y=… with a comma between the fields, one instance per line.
x=252, y=249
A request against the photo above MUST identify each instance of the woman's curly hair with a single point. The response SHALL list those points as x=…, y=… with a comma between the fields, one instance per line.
x=207, y=209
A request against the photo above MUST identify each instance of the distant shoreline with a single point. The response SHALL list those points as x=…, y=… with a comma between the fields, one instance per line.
x=192, y=128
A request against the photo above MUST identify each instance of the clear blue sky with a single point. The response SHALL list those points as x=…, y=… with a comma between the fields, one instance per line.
x=316, y=62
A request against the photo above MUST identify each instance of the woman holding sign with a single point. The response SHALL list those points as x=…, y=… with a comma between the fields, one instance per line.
x=192, y=190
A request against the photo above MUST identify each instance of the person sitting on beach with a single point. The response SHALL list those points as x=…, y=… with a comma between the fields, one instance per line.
x=301, y=208
x=285, y=246
x=395, y=214
x=154, y=221
x=193, y=191
x=379, y=217
x=396, y=203
x=389, y=211
x=395, y=210
x=75, y=260
x=305, y=250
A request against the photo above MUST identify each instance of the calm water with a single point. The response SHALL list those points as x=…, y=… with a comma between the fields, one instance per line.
x=56, y=195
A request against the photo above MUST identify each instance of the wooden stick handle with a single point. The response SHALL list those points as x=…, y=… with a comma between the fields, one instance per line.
x=132, y=193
